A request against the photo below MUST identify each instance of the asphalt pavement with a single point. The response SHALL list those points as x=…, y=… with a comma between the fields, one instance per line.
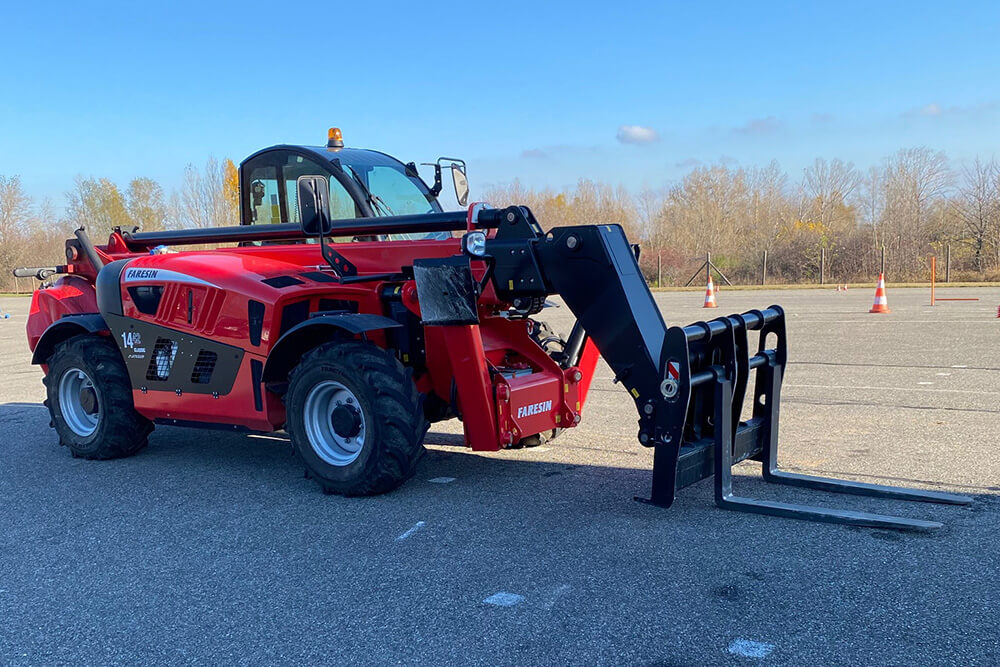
x=212, y=548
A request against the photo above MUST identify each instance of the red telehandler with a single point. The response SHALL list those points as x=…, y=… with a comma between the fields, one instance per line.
x=345, y=310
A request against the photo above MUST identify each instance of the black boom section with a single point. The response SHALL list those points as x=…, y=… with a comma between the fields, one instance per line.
x=595, y=271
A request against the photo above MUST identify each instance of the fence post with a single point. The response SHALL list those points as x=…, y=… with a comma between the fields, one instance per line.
x=659, y=269
x=947, y=264
x=822, y=266
x=933, y=276
x=763, y=270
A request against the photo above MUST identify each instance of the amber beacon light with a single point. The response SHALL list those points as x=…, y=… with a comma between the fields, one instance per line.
x=334, y=138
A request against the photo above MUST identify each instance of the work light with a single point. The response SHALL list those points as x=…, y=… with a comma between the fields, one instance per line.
x=474, y=243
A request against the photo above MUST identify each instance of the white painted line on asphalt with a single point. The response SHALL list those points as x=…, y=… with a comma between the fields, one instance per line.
x=879, y=320
x=441, y=480
x=750, y=649
x=502, y=599
x=560, y=590
x=961, y=366
x=417, y=526
x=925, y=383
x=944, y=374
x=847, y=386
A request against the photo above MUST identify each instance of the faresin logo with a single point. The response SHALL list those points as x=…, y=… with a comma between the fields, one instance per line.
x=534, y=409
x=140, y=274
x=166, y=275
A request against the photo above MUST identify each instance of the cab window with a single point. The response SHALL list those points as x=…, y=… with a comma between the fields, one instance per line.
x=397, y=191
x=272, y=192
x=265, y=207
x=342, y=206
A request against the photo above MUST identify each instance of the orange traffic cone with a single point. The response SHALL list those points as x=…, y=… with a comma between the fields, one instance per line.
x=881, y=304
x=710, y=295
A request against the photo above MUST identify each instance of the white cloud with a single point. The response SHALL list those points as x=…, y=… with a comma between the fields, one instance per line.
x=637, y=134
x=759, y=126
x=935, y=110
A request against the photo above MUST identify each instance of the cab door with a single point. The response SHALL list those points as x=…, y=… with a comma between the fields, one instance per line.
x=267, y=184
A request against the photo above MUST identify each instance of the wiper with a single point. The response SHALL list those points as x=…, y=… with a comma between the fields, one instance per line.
x=379, y=206
x=377, y=201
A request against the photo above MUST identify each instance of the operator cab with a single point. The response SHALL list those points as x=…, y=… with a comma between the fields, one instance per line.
x=363, y=184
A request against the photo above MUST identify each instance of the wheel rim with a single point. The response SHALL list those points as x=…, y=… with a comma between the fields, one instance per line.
x=78, y=402
x=334, y=423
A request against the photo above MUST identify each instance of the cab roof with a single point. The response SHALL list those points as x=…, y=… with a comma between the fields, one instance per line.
x=351, y=156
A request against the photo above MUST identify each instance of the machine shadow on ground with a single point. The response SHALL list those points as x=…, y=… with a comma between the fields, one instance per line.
x=550, y=478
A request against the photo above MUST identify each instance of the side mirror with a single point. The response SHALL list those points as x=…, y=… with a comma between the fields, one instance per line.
x=314, y=205
x=461, y=183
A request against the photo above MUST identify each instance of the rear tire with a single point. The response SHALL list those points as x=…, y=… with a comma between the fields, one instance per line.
x=355, y=418
x=90, y=400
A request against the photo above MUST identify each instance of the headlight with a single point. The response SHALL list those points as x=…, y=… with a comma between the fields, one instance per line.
x=474, y=243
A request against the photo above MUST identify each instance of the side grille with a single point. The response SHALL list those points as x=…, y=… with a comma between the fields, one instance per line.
x=146, y=298
x=162, y=359
x=255, y=320
x=203, y=367
x=327, y=305
x=320, y=277
x=282, y=281
x=292, y=314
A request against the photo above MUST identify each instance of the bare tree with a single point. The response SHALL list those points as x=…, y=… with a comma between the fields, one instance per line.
x=98, y=204
x=978, y=207
x=830, y=186
x=914, y=178
x=202, y=200
x=146, y=205
x=15, y=207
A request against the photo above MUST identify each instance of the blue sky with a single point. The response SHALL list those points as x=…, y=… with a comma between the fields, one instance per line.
x=533, y=90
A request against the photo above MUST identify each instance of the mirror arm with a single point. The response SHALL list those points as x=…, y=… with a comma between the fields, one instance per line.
x=436, y=188
x=323, y=250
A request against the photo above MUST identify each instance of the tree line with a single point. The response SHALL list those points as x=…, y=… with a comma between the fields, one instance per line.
x=913, y=204
x=33, y=234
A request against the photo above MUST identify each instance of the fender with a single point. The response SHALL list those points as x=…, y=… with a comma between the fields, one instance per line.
x=306, y=335
x=65, y=328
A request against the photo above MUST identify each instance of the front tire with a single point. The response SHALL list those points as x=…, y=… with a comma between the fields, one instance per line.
x=355, y=418
x=90, y=400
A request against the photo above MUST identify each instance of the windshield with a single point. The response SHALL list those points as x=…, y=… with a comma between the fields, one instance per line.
x=391, y=190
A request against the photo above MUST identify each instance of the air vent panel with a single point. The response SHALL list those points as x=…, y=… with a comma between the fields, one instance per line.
x=282, y=281
x=162, y=360
x=203, y=367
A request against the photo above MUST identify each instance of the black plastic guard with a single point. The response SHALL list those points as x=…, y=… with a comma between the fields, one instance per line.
x=446, y=291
